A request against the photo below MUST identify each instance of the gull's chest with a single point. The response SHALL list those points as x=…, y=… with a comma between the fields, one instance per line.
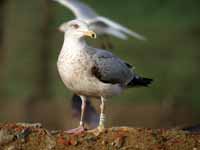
x=74, y=67
x=76, y=62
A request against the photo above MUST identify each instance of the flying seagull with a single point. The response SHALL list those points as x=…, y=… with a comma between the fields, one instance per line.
x=100, y=24
x=91, y=72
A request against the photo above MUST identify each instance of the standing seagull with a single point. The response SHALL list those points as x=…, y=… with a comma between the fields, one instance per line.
x=101, y=25
x=92, y=72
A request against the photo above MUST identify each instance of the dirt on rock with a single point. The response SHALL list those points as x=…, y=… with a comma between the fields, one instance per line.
x=22, y=136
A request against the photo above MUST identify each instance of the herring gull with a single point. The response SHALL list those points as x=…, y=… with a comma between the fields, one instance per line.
x=103, y=27
x=100, y=24
x=91, y=72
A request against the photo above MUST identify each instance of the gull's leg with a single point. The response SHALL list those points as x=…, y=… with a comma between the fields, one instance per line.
x=108, y=42
x=102, y=115
x=81, y=125
x=105, y=42
x=100, y=127
x=102, y=42
x=83, y=99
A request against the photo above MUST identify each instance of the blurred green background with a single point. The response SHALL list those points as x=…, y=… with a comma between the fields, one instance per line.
x=31, y=89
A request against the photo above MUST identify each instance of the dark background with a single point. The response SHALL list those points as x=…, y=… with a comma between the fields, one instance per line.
x=31, y=89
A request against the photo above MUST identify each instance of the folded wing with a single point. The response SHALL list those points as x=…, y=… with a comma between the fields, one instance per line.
x=110, y=69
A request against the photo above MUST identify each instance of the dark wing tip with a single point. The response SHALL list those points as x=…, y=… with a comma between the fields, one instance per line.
x=147, y=81
x=140, y=81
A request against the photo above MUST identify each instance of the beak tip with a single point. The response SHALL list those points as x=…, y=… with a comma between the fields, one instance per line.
x=94, y=36
x=91, y=34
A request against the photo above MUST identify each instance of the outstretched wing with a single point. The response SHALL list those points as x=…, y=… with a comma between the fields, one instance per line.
x=110, y=69
x=102, y=28
x=116, y=27
x=80, y=9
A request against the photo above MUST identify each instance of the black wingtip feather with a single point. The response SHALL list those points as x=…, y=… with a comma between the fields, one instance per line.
x=140, y=81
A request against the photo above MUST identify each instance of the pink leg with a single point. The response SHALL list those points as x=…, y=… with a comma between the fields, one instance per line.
x=81, y=128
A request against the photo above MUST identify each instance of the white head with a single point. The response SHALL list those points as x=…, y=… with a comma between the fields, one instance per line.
x=77, y=28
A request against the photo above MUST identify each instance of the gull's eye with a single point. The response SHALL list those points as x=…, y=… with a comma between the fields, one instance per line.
x=75, y=26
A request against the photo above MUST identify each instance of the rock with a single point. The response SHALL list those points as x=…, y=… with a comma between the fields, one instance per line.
x=5, y=136
x=30, y=137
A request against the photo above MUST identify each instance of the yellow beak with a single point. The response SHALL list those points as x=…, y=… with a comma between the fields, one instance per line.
x=90, y=34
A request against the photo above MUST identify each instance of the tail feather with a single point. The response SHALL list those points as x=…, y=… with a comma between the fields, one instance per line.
x=139, y=81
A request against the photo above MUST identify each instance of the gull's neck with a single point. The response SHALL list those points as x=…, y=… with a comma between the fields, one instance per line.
x=73, y=43
x=72, y=47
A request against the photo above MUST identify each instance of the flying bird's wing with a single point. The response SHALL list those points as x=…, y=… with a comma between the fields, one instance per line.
x=110, y=69
x=80, y=10
x=115, y=28
x=100, y=24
